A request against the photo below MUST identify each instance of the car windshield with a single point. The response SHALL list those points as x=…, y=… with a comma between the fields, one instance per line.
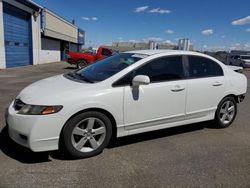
x=246, y=57
x=106, y=68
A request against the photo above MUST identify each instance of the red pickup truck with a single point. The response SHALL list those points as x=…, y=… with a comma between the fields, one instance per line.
x=83, y=59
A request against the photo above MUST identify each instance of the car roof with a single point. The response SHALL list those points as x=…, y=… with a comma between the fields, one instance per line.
x=169, y=52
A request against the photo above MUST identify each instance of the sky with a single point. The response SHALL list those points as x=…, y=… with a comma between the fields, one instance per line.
x=210, y=25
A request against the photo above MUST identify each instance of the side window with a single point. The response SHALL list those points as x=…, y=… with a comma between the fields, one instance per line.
x=106, y=52
x=159, y=70
x=200, y=67
x=163, y=69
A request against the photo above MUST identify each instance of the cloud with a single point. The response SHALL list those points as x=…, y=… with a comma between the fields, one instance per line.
x=132, y=40
x=120, y=39
x=141, y=9
x=232, y=46
x=239, y=46
x=248, y=30
x=205, y=46
x=90, y=18
x=242, y=21
x=157, y=39
x=207, y=32
x=159, y=11
x=169, y=31
x=247, y=46
x=168, y=42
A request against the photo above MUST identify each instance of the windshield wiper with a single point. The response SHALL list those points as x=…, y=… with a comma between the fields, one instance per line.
x=83, y=77
x=71, y=74
x=77, y=76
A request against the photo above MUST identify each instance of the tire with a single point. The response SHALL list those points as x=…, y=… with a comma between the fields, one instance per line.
x=242, y=65
x=81, y=64
x=226, y=112
x=86, y=134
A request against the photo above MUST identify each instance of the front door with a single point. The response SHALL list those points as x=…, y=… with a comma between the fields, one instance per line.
x=160, y=102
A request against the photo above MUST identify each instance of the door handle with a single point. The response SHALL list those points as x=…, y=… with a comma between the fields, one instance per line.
x=217, y=84
x=177, y=88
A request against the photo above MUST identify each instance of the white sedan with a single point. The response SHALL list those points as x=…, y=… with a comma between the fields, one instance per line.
x=128, y=93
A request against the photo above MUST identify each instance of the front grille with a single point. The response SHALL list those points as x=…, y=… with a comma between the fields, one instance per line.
x=18, y=104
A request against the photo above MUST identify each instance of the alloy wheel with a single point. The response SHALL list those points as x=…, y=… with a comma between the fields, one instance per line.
x=227, y=112
x=81, y=64
x=88, y=134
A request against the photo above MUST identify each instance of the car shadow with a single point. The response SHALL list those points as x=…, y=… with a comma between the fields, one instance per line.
x=127, y=140
x=20, y=153
x=70, y=68
x=24, y=155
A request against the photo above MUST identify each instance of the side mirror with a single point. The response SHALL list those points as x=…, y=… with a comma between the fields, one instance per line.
x=140, y=80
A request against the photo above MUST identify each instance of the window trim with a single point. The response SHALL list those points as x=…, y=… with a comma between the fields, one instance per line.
x=187, y=67
x=183, y=66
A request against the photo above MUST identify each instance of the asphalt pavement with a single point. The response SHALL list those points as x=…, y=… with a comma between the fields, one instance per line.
x=196, y=155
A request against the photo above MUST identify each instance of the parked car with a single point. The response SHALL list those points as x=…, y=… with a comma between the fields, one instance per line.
x=238, y=59
x=82, y=59
x=125, y=94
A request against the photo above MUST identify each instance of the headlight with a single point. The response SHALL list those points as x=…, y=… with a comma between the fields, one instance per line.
x=28, y=109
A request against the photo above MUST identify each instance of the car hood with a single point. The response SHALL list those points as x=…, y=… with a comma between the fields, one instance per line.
x=51, y=90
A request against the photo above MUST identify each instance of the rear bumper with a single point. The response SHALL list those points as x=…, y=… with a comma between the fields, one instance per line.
x=241, y=98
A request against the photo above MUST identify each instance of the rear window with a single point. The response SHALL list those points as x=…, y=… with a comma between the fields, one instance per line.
x=200, y=67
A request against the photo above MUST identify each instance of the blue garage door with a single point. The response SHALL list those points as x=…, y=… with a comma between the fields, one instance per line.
x=17, y=36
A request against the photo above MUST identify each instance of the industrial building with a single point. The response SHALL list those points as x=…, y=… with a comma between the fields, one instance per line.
x=31, y=34
x=183, y=44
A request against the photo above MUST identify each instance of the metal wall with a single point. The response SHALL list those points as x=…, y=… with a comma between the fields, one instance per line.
x=17, y=36
x=50, y=50
x=56, y=27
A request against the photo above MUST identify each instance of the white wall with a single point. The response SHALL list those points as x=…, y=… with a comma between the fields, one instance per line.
x=49, y=56
x=2, y=48
x=36, y=39
x=50, y=50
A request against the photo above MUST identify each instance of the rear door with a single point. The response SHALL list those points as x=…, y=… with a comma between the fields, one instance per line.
x=206, y=87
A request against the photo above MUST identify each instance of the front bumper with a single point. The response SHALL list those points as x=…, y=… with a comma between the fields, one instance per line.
x=70, y=61
x=39, y=133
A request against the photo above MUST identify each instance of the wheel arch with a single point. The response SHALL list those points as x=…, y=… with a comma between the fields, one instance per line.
x=105, y=112
x=82, y=59
x=236, y=98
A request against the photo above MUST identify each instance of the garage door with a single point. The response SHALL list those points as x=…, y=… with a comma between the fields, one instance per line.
x=17, y=36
